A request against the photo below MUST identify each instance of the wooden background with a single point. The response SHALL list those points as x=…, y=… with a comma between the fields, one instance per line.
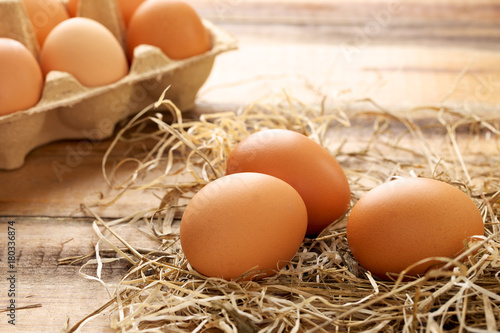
x=400, y=53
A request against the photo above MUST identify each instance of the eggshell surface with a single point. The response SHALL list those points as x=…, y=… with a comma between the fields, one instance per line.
x=407, y=220
x=172, y=26
x=127, y=8
x=87, y=50
x=72, y=7
x=21, y=79
x=302, y=163
x=243, y=222
x=45, y=15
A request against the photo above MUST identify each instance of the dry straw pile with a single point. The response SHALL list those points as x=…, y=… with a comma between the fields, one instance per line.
x=322, y=289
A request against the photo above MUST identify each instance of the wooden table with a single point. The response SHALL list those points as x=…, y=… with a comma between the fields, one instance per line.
x=399, y=53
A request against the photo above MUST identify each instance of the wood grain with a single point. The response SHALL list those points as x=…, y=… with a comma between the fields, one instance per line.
x=441, y=23
x=66, y=176
x=59, y=293
x=424, y=53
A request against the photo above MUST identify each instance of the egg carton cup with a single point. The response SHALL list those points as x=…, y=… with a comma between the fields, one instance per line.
x=69, y=110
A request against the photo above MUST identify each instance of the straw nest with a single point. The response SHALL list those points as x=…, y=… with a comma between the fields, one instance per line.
x=322, y=289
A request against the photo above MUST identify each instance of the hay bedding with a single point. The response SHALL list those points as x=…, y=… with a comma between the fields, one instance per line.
x=322, y=289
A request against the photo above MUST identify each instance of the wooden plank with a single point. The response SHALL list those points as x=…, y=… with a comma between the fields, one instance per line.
x=59, y=293
x=399, y=77
x=67, y=174
x=332, y=12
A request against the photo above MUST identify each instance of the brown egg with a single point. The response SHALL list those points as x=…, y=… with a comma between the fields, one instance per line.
x=45, y=15
x=240, y=223
x=407, y=220
x=127, y=8
x=172, y=26
x=72, y=7
x=87, y=50
x=21, y=79
x=302, y=163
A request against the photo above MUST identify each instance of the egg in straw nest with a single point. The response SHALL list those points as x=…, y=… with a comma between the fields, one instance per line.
x=322, y=288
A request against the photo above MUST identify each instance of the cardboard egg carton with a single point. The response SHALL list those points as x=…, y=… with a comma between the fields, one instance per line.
x=69, y=110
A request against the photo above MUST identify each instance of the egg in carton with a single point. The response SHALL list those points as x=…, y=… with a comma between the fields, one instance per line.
x=69, y=110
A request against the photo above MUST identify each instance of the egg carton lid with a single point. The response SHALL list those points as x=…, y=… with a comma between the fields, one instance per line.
x=69, y=110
